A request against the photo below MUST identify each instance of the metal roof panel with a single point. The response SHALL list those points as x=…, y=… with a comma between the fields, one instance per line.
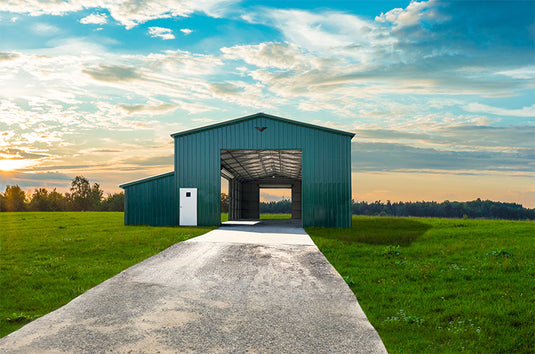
x=147, y=179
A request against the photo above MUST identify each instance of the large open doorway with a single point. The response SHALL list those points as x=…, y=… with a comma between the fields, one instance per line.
x=249, y=171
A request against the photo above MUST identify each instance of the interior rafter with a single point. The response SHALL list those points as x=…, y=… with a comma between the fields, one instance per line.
x=249, y=165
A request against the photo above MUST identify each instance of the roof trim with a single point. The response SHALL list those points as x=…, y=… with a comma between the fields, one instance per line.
x=260, y=115
x=148, y=179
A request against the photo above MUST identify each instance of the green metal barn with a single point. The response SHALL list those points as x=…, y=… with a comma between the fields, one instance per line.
x=252, y=152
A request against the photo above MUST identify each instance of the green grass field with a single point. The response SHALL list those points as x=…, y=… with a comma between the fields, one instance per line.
x=47, y=259
x=440, y=285
x=224, y=216
x=275, y=216
x=427, y=285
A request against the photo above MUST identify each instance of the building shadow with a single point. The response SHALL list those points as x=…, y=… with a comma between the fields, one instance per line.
x=377, y=231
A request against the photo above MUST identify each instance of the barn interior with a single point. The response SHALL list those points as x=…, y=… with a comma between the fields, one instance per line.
x=250, y=170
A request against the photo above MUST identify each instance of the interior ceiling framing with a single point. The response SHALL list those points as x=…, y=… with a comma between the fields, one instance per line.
x=248, y=165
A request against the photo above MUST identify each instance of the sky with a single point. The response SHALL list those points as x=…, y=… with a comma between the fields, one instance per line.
x=440, y=94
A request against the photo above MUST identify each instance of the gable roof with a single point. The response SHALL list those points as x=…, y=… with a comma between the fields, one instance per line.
x=260, y=115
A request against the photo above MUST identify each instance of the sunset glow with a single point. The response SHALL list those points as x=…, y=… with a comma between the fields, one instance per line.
x=13, y=164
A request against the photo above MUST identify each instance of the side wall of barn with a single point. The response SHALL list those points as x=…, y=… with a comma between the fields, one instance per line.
x=151, y=201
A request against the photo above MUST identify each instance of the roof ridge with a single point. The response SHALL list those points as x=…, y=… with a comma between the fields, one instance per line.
x=257, y=115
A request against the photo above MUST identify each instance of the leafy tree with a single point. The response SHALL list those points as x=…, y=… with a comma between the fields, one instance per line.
x=95, y=196
x=83, y=197
x=3, y=202
x=113, y=202
x=224, y=203
x=80, y=192
x=57, y=201
x=280, y=207
x=39, y=200
x=43, y=200
x=14, y=199
x=473, y=209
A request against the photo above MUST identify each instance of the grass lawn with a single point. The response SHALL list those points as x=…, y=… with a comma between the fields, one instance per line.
x=47, y=259
x=275, y=216
x=451, y=285
x=440, y=285
x=224, y=216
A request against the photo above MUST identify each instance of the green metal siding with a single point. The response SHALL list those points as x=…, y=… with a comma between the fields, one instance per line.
x=326, y=184
x=151, y=201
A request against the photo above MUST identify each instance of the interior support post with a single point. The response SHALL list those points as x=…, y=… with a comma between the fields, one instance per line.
x=234, y=212
x=296, y=200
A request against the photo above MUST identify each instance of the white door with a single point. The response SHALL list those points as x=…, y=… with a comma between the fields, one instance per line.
x=188, y=206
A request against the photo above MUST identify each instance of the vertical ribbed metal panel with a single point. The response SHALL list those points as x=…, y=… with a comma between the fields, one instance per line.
x=326, y=184
x=151, y=201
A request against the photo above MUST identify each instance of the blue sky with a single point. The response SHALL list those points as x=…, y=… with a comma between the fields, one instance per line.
x=440, y=94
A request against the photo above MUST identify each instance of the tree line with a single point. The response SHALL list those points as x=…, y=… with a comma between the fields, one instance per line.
x=473, y=209
x=280, y=207
x=283, y=206
x=86, y=197
x=82, y=197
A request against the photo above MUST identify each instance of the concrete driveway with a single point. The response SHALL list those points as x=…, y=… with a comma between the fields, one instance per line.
x=240, y=288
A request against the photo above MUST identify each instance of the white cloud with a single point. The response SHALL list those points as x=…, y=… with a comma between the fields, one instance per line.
x=244, y=94
x=526, y=73
x=129, y=13
x=97, y=89
x=272, y=55
x=44, y=29
x=95, y=19
x=5, y=56
x=320, y=31
x=113, y=73
x=133, y=12
x=179, y=63
x=328, y=33
x=186, y=31
x=157, y=108
x=37, y=7
x=528, y=112
x=161, y=32
x=412, y=15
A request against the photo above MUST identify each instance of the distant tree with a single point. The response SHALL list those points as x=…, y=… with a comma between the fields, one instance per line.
x=57, y=201
x=224, y=203
x=113, y=202
x=446, y=209
x=39, y=200
x=3, y=202
x=95, y=196
x=43, y=200
x=283, y=206
x=79, y=196
x=83, y=197
x=14, y=199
